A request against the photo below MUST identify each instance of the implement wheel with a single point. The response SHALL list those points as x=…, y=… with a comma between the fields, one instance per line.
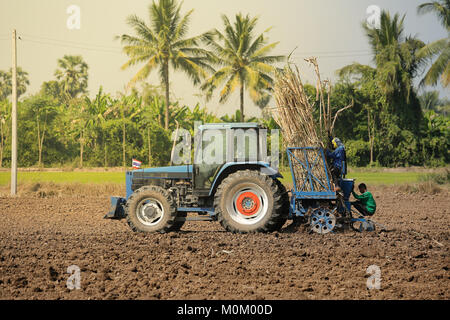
x=322, y=221
x=151, y=209
x=248, y=201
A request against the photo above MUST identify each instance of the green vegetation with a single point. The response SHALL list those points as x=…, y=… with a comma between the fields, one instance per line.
x=373, y=177
x=389, y=125
x=438, y=178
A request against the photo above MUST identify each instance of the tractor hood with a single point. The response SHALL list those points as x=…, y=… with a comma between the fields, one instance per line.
x=173, y=172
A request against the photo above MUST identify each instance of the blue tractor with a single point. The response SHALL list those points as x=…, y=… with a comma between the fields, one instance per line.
x=239, y=189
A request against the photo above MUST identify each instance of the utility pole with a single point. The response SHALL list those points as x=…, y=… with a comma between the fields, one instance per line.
x=14, y=116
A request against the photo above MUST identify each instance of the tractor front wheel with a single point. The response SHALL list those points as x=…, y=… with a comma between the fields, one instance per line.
x=248, y=201
x=151, y=209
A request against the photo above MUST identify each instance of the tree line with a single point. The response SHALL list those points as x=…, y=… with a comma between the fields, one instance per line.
x=390, y=124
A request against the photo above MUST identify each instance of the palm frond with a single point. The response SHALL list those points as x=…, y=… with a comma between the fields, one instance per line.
x=440, y=8
x=229, y=87
x=438, y=70
x=217, y=79
x=144, y=72
x=181, y=27
x=434, y=48
x=141, y=28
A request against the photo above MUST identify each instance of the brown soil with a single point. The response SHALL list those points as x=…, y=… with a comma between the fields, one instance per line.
x=42, y=237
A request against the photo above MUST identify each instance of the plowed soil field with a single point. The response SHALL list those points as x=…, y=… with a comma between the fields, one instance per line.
x=42, y=237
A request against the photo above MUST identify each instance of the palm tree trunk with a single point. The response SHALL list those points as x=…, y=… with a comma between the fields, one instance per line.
x=39, y=141
x=1, y=144
x=371, y=151
x=242, y=102
x=166, y=85
x=123, y=142
x=149, y=147
x=106, y=152
x=81, y=148
x=371, y=131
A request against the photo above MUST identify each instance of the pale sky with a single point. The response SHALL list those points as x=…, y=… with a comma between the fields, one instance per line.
x=328, y=29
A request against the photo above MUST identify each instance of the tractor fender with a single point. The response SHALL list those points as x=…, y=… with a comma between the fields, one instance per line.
x=231, y=167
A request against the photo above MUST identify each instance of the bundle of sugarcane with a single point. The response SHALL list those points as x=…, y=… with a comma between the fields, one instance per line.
x=294, y=114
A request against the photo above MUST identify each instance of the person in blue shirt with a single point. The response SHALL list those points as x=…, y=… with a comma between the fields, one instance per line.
x=338, y=160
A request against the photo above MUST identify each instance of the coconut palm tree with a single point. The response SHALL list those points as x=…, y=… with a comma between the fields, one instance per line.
x=397, y=63
x=163, y=42
x=72, y=74
x=440, y=68
x=243, y=61
x=395, y=55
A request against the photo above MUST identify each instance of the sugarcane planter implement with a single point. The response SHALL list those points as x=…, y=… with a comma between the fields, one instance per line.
x=243, y=192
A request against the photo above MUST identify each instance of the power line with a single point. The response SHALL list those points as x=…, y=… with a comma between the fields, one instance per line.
x=332, y=52
x=116, y=50
x=336, y=56
x=26, y=39
x=72, y=42
x=112, y=49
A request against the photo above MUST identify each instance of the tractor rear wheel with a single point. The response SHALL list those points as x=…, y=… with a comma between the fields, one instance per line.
x=248, y=201
x=151, y=209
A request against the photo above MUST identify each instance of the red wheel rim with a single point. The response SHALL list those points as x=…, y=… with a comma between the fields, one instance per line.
x=248, y=203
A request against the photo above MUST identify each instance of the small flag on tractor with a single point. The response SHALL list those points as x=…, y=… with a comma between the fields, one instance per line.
x=136, y=164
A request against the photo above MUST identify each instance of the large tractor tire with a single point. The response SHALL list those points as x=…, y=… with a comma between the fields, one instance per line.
x=248, y=201
x=151, y=209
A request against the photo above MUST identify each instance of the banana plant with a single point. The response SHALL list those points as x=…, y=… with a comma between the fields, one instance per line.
x=96, y=111
x=237, y=118
x=126, y=108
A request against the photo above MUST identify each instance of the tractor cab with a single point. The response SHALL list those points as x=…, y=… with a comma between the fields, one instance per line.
x=224, y=147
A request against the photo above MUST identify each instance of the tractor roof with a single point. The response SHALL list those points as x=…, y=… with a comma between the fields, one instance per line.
x=238, y=125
